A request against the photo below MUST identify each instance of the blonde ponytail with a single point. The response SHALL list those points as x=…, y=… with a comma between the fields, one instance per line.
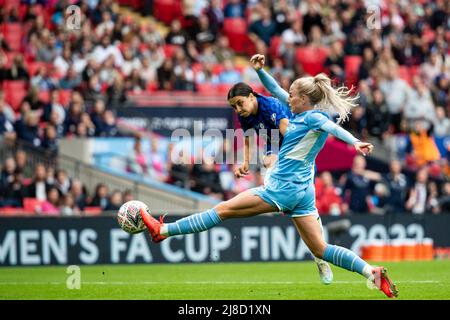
x=326, y=98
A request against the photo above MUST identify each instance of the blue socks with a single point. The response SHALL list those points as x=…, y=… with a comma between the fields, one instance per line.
x=346, y=259
x=194, y=223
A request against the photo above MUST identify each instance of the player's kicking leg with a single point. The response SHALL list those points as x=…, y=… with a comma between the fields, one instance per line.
x=342, y=257
x=245, y=204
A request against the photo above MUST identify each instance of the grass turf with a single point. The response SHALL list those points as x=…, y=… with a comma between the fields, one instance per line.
x=223, y=281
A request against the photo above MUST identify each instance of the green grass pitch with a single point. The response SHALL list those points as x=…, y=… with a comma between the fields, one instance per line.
x=221, y=281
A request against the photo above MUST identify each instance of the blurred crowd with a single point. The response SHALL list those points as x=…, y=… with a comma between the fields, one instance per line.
x=45, y=191
x=74, y=80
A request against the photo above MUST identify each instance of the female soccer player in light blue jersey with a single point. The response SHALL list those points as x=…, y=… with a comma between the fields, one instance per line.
x=290, y=187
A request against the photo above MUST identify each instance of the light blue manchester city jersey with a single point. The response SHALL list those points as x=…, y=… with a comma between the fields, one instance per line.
x=302, y=142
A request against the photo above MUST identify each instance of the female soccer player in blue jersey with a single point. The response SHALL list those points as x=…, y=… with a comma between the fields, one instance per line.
x=290, y=186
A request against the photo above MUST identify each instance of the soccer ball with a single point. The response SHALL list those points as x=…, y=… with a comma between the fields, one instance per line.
x=129, y=217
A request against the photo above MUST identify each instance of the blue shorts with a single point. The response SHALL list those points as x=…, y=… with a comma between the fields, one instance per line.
x=295, y=200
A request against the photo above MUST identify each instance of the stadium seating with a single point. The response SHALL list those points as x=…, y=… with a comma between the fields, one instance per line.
x=12, y=32
x=352, y=64
x=92, y=211
x=235, y=29
x=31, y=204
x=15, y=91
x=311, y=58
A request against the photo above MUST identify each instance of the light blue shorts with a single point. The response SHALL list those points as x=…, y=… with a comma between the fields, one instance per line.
x=294, y=200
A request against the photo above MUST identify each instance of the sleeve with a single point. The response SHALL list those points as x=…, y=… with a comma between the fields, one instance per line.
x=319, y=121
x=272, y=86
x=338, y=132
x=280, y=111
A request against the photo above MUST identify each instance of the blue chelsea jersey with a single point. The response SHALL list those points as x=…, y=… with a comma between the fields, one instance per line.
x=302, y=142
x=270, y=112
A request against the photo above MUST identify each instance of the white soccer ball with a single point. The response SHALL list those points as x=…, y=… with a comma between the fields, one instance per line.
x=129, y=217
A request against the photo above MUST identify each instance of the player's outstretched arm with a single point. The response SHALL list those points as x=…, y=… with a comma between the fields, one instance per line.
x=318, y=121
x=258, y=61
x=363, y=148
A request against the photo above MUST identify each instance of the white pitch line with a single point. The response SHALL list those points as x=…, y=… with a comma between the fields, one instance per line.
x=121, y=283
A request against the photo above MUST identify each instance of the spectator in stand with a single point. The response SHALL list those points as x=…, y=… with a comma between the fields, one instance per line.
x=367, y=63
x=68, y=206
x=398, y=186
x=418, y=194
x=127, y=196
x=73, y=117
x=222, y=49
x=97, y=113
x=377, y=116
x=206, y=179
x=157, y=165
x=78, y=193
x=50, y=176
x=423, y=146
x=17, y=70
x=33, y=99
x=176, y=35
x=130, y=63
x=42, y=80
x=215, y=15
x=444, y=199
x=5, y=108
x=234, y=9
x=115, y=201
x=53, y=106
x=441, y=123
x=21, y=163
x=50, y=206
x=328, y=196
x=335, y=62
x=6, y=125
x=433, y=195
x=48, y=51
x=7, y=174
x=116, y=93
x=29, y=132
x=229, y=74
x=358, y=185
x=14, y=192
x=62, y=181
x=64, y=61
x=431, y=69
x=290, y=39
x=419, y=105
x=204, y=34
x=137, y=162
x=151, y=34
x=264, y=28
x=441, y=89
x=179, y=167
x=50, y=141
x=89, y=126
x=378, y=202
x=312, y=18
x=39, y=187
x=109, y=128
x=184, y=76
x=100, y=198
x=3, y=66
x=396, y=103
x=58, y=122
x=71, y=80
x=135, y=83
x=106, y=49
